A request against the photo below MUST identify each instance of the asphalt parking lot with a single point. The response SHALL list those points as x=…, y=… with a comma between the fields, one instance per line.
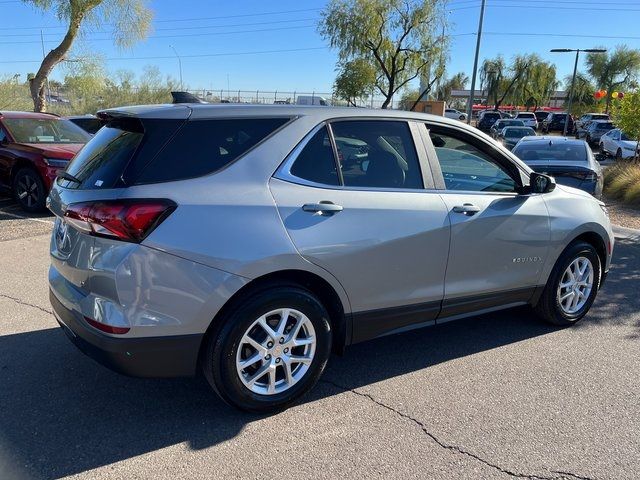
x=496, y=396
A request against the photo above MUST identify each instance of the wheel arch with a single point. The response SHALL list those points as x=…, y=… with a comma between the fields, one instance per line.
x=339, y=318
x=596, y=240
x=21, y=163
x=591, y=237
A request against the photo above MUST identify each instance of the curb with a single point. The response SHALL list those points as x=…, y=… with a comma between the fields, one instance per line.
x=624, y=232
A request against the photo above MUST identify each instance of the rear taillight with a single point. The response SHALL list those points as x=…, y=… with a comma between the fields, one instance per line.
x=585, y=176
x=106, y=328
x=128, y=220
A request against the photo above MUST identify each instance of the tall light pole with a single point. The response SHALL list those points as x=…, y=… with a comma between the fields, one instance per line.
x=179, y=65
x=475, y=65
x=573, y=78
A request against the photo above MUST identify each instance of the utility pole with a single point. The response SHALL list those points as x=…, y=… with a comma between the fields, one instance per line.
x=573, y=78
x=475, y=64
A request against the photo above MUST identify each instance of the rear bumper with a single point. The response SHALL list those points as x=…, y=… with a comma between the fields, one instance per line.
x=169, y=356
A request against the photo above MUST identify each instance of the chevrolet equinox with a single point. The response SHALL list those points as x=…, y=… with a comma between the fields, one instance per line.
x=234, y=240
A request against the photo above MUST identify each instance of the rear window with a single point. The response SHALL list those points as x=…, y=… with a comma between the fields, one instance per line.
x=131, y=151
x=604, y=126
x=543, y=151
x=525, y=115
x=600, y=117
x=514, y=132
x=101, y=163
x=201, y=147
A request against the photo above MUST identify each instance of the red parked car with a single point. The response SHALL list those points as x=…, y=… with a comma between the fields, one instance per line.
x=34, y=147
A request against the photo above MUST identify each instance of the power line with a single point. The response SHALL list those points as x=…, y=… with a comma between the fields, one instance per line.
x=202, y=34
x=259, y=14
x=204, y=55
x=191, y=27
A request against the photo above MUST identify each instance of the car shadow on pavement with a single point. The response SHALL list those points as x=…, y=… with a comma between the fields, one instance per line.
x=62, y=414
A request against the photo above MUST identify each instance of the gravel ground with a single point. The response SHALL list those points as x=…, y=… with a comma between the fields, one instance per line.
x=623, y=215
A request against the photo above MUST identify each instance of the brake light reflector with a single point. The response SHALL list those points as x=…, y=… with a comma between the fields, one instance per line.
x=128, y=220
x=106, y=328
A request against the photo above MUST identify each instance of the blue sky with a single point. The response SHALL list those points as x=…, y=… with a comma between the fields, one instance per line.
x=302, y=62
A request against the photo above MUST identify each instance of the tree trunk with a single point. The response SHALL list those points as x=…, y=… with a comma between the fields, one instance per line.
x=53, y=58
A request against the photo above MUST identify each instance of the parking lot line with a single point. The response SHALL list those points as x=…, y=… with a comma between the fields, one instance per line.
x=21, y=217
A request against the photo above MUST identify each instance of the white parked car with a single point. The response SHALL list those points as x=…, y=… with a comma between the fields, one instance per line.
x=456, y=114
x=615, y=142
x=312, y=100
x=529, y=119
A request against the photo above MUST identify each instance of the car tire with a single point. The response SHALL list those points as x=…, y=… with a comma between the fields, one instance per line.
x=29, y=191
x=619, y=155
x=552, y=306
x=228, y=350
x=461, y=118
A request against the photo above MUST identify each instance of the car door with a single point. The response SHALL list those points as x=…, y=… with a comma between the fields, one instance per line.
x=372, y=224
x=499, y=237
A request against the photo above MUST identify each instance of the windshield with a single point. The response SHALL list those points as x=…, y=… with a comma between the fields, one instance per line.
x=529, y=151
x=625, y=137
x=45, y=130
x=604, y=126
x=518, y=132
x=600, y=117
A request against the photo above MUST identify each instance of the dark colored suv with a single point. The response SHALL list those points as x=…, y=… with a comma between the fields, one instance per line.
x=555, y=122
x=34, y=147
x=488, y=119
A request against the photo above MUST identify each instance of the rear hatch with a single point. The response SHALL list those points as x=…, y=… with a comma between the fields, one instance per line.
x=102, y=201
x=98, y=175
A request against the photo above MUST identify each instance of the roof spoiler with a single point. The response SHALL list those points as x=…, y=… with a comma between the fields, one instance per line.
x=185, y=97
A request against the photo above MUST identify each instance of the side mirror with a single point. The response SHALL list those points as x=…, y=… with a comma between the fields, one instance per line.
x=541, y=183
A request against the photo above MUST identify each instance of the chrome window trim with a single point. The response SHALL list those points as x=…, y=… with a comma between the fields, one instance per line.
x=284, y=170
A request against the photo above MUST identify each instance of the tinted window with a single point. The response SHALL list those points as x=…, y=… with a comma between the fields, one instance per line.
x=604, y=126
x=201, y=147
x=316, y=162
x=377, y=154
x=102, y=161
x=515, y=132
x=532, y=151
x=466, y=167
x=525, y=115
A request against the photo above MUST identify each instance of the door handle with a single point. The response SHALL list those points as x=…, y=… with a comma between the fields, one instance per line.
x=322, y=208
x=467, y=209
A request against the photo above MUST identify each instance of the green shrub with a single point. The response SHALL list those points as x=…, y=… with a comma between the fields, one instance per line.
x=623, y=182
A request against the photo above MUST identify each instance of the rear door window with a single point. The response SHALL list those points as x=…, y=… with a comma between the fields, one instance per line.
x=316, y=162
x=377, y=154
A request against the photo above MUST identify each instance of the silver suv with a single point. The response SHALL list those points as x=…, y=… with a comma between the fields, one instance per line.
x=233, y=239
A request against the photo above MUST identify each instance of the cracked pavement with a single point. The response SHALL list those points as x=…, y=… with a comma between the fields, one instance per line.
x=496, y=396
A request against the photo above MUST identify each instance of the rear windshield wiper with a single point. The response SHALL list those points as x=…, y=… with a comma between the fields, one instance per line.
x=68, y=176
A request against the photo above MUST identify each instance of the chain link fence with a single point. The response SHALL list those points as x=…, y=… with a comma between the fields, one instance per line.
x=65, y=101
